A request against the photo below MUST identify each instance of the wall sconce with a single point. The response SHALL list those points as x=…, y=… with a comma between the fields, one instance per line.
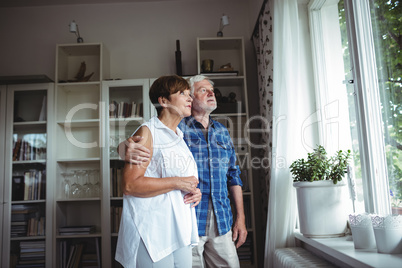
x=224, y=21
x=74, y=29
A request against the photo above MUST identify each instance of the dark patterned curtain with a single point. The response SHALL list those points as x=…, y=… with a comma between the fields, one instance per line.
x=262, y=39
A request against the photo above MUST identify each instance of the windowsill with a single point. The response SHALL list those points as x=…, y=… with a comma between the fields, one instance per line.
x=341, y=252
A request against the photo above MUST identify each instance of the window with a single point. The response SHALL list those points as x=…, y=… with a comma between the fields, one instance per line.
x=387, y=35
x=358, y=66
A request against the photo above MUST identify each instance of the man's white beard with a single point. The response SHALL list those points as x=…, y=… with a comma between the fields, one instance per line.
x=207, y=108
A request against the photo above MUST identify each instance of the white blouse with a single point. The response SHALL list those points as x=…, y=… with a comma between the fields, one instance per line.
x=164, y=222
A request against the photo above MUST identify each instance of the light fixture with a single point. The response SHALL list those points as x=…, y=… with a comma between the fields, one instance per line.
x=224, y=21
x=74, y=29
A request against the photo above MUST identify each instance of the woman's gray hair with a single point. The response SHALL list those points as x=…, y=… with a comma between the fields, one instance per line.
x=197, y=78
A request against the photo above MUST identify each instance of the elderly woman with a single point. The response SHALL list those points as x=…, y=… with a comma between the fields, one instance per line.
x=158, y=225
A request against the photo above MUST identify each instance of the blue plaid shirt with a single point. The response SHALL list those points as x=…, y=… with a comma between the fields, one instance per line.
x=217, y=170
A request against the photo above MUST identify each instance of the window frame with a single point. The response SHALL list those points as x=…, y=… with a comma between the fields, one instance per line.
x=366, y=93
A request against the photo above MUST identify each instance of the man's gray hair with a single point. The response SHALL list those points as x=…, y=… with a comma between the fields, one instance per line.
x=197, y=78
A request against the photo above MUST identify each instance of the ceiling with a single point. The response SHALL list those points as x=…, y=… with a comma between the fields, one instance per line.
x=29, y=3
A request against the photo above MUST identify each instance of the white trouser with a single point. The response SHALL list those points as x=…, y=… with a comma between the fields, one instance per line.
x=214, y=250
x=180, y=258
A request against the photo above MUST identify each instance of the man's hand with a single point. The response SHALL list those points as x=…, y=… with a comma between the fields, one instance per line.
x=239, y=232
x=132, y=152
x=193, y=197
x=239, y=227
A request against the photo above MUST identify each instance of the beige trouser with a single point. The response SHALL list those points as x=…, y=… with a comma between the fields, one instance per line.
x=215, y=250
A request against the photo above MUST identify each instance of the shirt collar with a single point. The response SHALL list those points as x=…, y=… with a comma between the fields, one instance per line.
x=159, y=124
x=191, y=120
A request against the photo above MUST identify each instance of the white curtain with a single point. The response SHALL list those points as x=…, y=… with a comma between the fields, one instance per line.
x=292, y=105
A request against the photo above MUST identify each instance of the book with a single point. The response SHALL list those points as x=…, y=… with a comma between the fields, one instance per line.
x=223, y=73
x=80, y=229
x=27, y=182
x=18, y=188
x=89, y=260
x=77, y=228
x=39, y=186
x=133, y=109
x=77, y=259
x=98, y=251
x=118, y=183
x=74, y=233
x=43, y=185
x=139, y=110
x=71, y=256
x=16, y=150
x=63, y=254
x=120, y=113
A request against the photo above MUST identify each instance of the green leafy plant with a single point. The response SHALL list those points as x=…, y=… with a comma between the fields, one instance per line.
x=318, y=166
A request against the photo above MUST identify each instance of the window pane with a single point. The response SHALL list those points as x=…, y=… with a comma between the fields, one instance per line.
x=386, y=23
x=348, y=80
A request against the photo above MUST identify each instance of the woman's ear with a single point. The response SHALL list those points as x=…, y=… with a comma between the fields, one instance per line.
x=162, y=101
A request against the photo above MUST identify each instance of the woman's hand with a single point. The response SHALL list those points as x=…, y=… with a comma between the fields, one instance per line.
x=187, y=184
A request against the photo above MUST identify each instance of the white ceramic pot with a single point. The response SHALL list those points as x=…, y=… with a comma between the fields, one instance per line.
x=388, y=233
x=321, y=206
x=362, y=231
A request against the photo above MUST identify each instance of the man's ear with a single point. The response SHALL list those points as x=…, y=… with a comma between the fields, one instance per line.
x=162, y=101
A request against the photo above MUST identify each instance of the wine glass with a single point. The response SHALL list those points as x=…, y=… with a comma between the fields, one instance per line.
x=87, y=186
x=97, y=183
x=92, y=182
x=112, y=146
x=76, y=188
x=66, y=183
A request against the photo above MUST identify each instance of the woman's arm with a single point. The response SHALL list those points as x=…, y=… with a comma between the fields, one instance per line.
x=136, y=184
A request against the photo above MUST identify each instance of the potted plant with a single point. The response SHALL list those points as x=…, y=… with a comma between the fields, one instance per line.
x=321, y=194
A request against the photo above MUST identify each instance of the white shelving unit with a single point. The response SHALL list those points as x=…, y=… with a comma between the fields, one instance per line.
x=92, y=117
x=27, y=196
x=78, y=129
x=231, y=93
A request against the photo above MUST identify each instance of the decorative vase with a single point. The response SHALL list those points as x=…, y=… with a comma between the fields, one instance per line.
x=321, y=206
x=362, y=231
x=388, y=233
x=207, y=66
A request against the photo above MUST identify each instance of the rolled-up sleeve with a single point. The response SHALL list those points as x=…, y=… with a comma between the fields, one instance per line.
x=233, y=173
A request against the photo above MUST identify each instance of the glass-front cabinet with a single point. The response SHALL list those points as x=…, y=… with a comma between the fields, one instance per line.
x=128, y=108
x=27, y=180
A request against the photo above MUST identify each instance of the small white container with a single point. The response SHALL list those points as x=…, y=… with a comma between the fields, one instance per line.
x=362, y=231
x=388, y=233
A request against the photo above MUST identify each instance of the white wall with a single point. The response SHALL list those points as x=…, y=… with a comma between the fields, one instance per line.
x=140, y=36
x=254, y=11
